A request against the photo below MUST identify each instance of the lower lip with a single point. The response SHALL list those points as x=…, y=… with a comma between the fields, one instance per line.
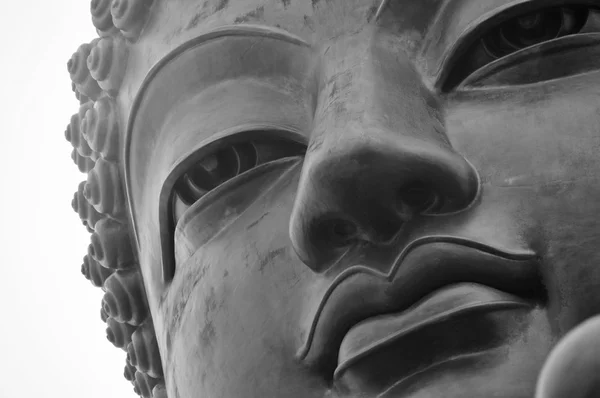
x=459, y=320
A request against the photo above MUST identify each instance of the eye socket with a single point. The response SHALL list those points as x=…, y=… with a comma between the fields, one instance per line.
x=525, y=30
x=223, y=165
x=534, y=28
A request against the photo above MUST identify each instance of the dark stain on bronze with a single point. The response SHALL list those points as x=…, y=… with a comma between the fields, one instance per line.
x=169, y=341
x=270, y=257
x=195, y=20
x=334, y=90
x=210, y=303
x=208, y=334
x=257, y=221
x=210, y=306
x=255, y=14
x=221, y=4
x=371, y=13
x=340, y=82
x=183, y=296
x=315, y=144
x=308, y=23
x=339, y=107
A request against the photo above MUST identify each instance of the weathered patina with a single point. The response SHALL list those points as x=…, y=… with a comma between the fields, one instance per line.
x=344, y=198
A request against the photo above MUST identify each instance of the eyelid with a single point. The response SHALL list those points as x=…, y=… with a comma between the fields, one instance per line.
x=474, y=31
x=225, y=204
x=498, y=73
x=238, y=135
x=470, y=34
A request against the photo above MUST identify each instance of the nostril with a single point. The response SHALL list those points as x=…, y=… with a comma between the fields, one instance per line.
x=418, y=197
x=336, y=232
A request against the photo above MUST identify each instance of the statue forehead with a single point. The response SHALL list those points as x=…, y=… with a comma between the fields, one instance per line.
x=173, y=23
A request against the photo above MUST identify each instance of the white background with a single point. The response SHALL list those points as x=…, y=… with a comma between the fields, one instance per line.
x=52, y=341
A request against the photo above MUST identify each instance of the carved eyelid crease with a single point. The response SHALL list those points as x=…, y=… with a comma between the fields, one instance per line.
x=566, y=55
x=231, y=161
x=518, y=32
x=224, y=164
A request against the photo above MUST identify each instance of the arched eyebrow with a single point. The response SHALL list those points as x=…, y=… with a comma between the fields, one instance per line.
x=242, y=30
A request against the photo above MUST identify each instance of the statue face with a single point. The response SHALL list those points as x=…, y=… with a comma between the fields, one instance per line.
x=336, y=199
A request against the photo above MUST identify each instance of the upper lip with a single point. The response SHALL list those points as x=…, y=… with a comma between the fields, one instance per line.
x=425, y=266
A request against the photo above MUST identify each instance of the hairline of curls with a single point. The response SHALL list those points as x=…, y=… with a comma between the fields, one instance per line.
x=97, y=70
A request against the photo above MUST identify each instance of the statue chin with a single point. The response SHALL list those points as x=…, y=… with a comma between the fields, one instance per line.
x=344, y=198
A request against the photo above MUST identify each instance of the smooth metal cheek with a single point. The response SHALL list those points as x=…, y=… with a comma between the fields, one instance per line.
x=253, y=251
x=542, y=128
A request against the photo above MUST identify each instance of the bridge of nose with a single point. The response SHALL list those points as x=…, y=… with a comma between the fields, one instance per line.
x=373, y=109
x=371, y=92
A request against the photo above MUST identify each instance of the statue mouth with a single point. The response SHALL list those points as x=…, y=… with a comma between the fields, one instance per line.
x=441, y=289
x=451, y=322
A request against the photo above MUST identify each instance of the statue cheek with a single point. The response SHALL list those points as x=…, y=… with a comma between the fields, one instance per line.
x=196, y=318
x=529, y=136
x=232, y=316
x=239, y=297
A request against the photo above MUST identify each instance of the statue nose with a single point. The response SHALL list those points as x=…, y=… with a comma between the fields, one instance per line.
x=367, y=188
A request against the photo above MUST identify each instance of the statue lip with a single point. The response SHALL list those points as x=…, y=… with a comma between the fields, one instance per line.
x=427, y=267
x=458, y=300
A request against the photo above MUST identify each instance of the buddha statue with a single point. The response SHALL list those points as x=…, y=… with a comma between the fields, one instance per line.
x=344, y=198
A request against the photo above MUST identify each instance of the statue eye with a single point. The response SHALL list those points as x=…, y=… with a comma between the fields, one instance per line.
x=223, y=165
x=523, y=31
x=534, y=28
x=215, y=169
